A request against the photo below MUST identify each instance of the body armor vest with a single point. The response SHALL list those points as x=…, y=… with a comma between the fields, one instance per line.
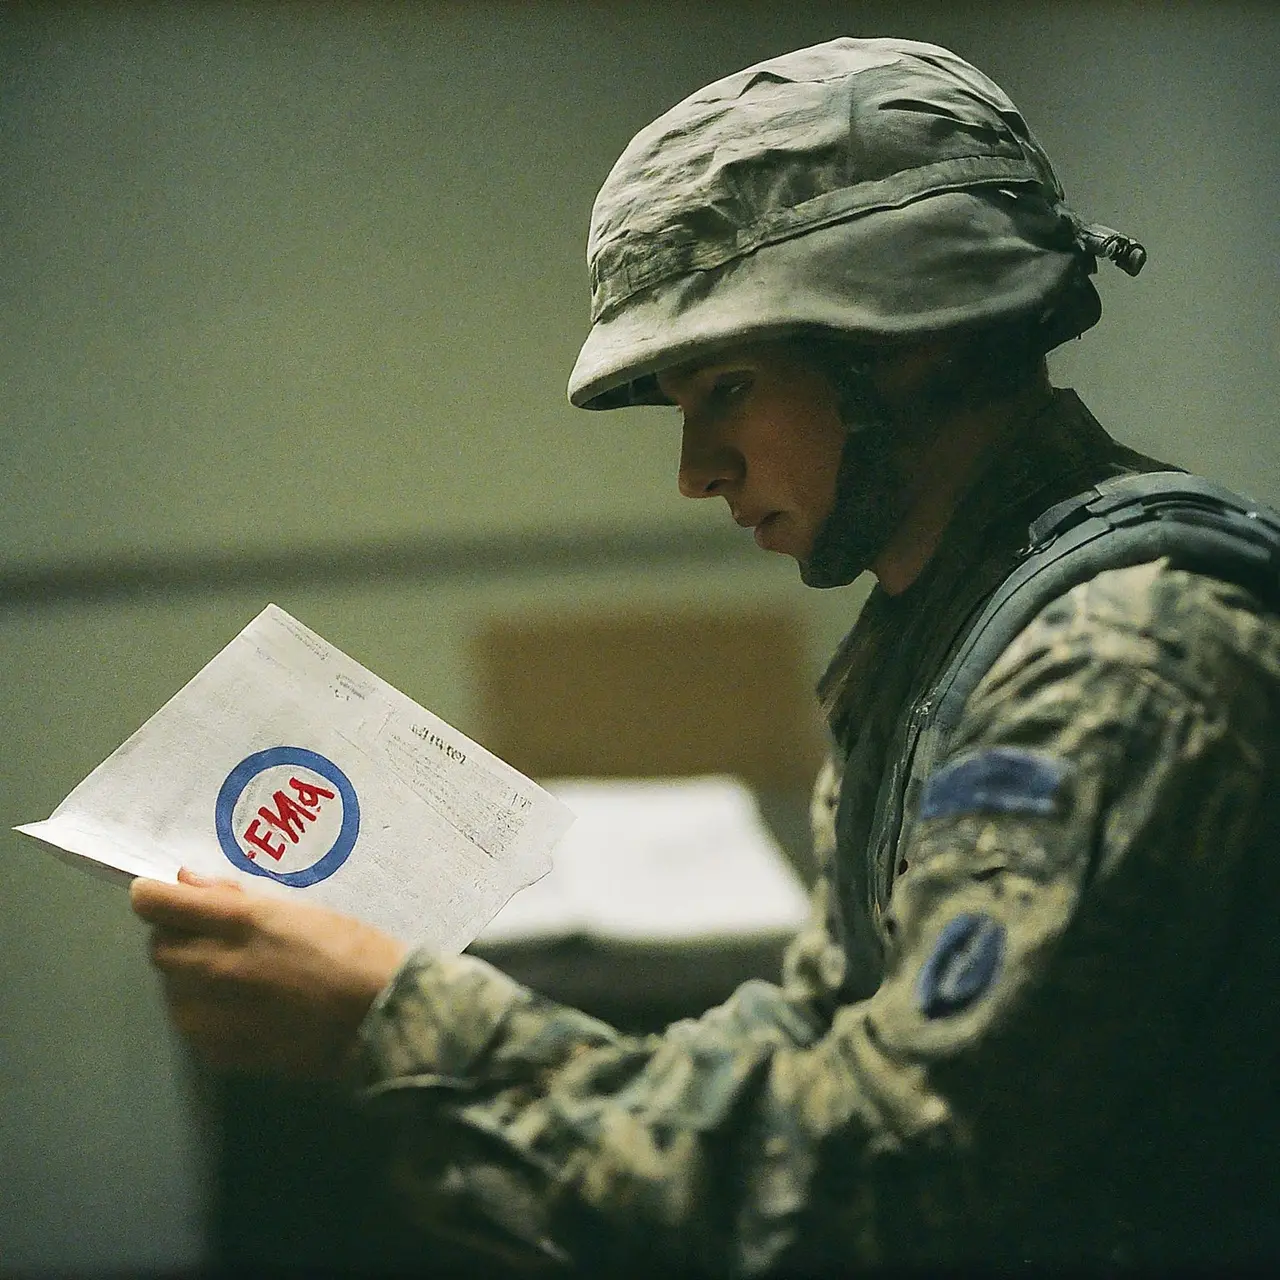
x=1118, y=522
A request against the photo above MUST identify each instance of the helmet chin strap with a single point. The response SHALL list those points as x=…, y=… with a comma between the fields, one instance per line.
x=870, y=493
x=871, y=490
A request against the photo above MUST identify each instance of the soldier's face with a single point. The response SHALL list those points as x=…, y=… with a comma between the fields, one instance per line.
x=762, y=430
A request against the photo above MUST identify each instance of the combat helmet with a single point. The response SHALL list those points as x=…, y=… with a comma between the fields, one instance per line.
x=881, y=189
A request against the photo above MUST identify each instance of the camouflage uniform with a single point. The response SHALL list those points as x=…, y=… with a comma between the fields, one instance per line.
x=1045, y=1029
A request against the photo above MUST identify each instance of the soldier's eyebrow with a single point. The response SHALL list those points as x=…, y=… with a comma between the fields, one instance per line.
x=713, y=370
x=670, y=380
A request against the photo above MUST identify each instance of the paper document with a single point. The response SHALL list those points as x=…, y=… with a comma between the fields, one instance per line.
x=659, y=860
x=288, y=766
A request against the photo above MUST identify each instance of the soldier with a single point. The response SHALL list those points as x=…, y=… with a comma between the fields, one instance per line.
x=1034, y=1014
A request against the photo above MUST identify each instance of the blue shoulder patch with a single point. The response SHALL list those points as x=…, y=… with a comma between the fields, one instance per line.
x=999, y=780
x=963, y=964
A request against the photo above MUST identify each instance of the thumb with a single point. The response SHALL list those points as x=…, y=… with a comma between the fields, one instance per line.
x=187, y=876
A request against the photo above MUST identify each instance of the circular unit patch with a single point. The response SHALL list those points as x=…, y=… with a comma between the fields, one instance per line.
x=288, y=814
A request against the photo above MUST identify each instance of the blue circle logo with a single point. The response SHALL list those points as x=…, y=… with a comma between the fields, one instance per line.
x=288, y=814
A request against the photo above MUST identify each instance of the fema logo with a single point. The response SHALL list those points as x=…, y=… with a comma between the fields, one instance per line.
x=288, y=814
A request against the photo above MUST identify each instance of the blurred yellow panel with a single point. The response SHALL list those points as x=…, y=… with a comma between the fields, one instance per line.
x=651, y=695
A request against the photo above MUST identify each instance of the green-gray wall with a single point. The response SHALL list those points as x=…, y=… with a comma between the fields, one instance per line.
x=290, y=279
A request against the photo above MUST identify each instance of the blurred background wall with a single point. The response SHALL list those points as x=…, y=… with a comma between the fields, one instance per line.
x=288, y=298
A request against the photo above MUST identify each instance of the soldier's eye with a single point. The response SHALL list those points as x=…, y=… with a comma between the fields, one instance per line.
x=729, y=388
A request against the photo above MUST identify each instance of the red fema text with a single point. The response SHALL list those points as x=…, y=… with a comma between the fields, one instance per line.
x=290, y=816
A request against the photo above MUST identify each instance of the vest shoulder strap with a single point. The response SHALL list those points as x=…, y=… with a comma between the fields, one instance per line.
x=1122, y=521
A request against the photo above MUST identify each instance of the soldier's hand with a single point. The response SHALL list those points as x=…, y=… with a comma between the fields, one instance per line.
x=259, y=984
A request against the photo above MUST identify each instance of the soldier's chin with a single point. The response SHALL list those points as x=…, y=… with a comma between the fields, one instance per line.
x=840, y=555
x=823, y=572
x=869, y=503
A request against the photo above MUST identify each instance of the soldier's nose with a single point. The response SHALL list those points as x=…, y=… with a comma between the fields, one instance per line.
x=706, y=470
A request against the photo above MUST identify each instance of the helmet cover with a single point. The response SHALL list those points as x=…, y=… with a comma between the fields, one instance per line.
x=882, y=189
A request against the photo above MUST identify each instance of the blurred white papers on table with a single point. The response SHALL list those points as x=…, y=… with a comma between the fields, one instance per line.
x=288, y=766
x=657, y=860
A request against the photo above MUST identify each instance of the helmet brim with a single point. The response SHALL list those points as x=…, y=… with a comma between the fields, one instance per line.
x=950, y=262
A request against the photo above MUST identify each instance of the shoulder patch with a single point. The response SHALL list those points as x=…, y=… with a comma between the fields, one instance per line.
x=963, y=964
x=999, y=780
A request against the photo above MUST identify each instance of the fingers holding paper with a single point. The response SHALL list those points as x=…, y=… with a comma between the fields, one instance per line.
x=261, y=984
x=187, y=876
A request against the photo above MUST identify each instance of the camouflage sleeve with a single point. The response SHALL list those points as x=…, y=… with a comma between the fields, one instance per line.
x=814, y=965
x=1071, y=870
